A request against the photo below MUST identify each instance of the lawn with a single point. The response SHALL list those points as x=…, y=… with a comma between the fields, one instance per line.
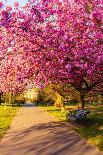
x=92, y=131
x=7, y=113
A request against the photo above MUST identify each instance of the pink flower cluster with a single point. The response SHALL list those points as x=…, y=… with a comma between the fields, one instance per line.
x=51, y=41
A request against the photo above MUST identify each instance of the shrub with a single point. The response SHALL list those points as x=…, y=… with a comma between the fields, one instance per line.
x=44, y=98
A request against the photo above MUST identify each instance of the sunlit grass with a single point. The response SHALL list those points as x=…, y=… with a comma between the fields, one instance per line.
x=93, y=131
x=7, y=113
x=57, y=112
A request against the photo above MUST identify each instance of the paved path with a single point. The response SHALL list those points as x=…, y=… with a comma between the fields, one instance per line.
x=34, y=132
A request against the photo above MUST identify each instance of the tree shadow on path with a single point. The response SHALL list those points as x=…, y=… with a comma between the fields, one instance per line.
x=54, y=138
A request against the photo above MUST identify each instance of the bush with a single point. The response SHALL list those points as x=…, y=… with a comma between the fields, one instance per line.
x=72, y=102
x=44, y=98
x=50, y=102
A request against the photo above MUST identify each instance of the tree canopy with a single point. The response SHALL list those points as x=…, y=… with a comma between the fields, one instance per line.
x=52, y=41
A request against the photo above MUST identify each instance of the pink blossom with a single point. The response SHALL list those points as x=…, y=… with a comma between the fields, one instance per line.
x=1, y=4
x=60, y=44
x=68, y=67
x=16, y=4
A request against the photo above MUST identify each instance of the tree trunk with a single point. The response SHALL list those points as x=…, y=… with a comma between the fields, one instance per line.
x=10, y=99
x=82, y=100
x=78, y=106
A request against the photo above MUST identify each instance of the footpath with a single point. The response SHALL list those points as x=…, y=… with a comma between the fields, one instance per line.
x=35, y=132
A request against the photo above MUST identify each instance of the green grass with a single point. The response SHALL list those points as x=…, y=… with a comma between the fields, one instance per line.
x=91, y=131
x=57, y=112
x=94, y=131
x=7, y=113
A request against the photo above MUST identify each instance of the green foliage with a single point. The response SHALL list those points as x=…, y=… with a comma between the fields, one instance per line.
x=2, y=99
x=19, y=99
x=72, y=102
x=44, y=98
x=58, y=101
x=58, y=94
x=12, y=99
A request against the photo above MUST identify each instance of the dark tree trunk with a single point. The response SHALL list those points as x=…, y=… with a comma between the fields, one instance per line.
x=78, y=106
x=82, y=100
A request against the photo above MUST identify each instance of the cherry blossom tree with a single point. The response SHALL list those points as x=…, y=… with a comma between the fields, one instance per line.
x=56, y=42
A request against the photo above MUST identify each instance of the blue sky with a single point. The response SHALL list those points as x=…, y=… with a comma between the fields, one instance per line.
x=11, y=2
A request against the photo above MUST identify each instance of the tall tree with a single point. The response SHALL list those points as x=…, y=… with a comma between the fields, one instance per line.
x=59, y=41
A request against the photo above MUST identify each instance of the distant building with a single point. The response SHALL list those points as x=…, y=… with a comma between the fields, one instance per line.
x=31, y=94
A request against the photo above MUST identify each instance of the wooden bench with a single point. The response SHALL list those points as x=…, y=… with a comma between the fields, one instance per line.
x=77, y=115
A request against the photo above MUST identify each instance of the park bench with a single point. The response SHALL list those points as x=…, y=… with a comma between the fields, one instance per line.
x=77, y=115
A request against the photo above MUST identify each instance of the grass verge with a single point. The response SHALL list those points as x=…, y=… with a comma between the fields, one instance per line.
x=7, y=113
x=91, y=131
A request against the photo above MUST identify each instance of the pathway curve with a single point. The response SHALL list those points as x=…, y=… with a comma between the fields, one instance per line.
x=35, y=132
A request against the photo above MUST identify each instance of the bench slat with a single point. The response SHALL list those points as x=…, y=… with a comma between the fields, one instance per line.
x=77, y=115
